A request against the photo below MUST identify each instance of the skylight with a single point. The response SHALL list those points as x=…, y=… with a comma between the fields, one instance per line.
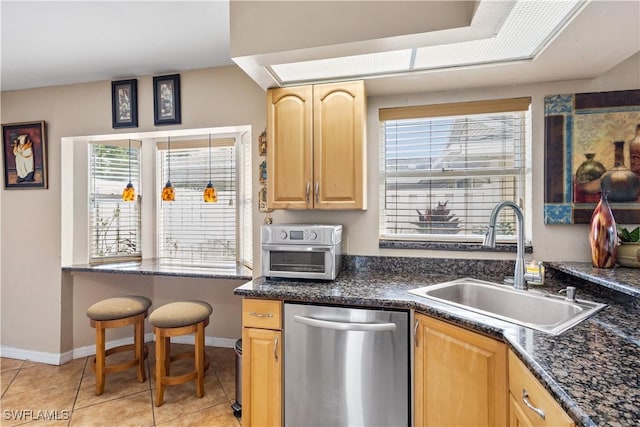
x=530, y=25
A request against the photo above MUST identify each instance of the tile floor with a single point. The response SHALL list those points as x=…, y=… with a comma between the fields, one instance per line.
x=46, y=395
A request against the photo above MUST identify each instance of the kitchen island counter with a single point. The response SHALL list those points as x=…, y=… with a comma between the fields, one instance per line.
x=592, y=370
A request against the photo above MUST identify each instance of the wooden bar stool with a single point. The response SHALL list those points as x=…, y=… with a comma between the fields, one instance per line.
x=116, y=313
x=172, y=320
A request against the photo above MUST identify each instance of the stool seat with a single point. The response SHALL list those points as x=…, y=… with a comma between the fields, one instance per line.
x=180, y=313
x=118, y=307
x=116, y=313
x=177, y=319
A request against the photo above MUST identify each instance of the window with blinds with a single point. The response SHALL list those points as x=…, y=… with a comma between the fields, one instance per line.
x=190, y=231
x=114, y=225
x=444, y=168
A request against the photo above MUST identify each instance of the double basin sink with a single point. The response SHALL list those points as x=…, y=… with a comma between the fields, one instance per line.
x=544, y=312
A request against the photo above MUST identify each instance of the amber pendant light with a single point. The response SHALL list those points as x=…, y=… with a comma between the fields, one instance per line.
x=210, y=195
x=129, y=193
x=168, y=192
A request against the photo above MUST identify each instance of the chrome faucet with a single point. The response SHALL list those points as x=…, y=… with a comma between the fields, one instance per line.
x=519, y=281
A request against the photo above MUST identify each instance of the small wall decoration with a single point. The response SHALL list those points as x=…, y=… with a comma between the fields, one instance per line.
x=262, y=143
x=124, y=103
x=262, y=177
x=262, y=200
x=592, y=144
x=166, y=100
x=25, y=155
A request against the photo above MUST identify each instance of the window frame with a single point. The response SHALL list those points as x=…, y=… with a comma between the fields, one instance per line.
x=181, y=146
x=136, y=180
x=457, y=109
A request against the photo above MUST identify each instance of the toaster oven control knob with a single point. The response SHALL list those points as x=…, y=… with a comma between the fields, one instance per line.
x=283, y=235
x=313, y=235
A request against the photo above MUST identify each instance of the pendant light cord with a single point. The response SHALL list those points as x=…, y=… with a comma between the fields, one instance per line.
x=129, y=160
x=169, y=159
x=209, y=158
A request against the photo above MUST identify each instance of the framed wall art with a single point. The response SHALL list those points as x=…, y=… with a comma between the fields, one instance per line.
x=24, y=149
x=592, y=144
x=124, y=103
x=166, y=100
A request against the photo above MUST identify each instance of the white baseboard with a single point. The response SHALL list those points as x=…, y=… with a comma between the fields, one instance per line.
x=35, y=356
x=89, y=350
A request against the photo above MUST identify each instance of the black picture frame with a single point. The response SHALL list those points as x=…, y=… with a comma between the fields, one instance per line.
x=166, y=100
x=124, y=103
x=24, y=149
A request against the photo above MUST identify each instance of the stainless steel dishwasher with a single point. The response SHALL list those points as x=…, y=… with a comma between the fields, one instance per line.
x=346, y=367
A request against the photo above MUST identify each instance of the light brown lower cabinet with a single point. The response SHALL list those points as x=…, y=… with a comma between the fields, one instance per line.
x=460, y=376
x=529, y=403
x=261, y=363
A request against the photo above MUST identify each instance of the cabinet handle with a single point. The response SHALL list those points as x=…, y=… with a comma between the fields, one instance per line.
x=317, y=192
x=261, y=315
x=525, y=399
x=415, y=332
x=275, y=348
x=308, y=191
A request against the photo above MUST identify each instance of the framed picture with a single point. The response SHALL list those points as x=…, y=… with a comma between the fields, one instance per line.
x=166, y=100
x=124, y=103
x=592, y=144
x=24, y=151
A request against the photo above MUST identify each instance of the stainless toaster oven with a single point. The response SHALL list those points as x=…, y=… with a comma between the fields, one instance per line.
x=301, y=251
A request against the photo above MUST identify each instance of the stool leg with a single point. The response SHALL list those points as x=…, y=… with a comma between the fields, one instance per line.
x=100, y=358
x=199, y=350
x=160, y=366
x=167, y=356
x=139, y=345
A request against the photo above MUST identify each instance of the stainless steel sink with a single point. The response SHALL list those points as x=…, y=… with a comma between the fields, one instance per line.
x=544, y=312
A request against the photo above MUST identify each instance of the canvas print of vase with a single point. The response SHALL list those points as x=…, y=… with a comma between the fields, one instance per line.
x=606, y=156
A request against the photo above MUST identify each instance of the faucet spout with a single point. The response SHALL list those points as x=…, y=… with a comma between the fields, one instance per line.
x=519, y=281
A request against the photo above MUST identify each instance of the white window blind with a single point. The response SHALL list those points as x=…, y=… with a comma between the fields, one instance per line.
x=444, y=168
x=190, y=231
x=114, y=225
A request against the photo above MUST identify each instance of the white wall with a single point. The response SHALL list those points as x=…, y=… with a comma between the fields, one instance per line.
x=43, y=313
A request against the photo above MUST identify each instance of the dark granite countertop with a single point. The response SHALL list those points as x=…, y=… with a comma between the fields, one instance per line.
x=154, y=267
x=622, y=279
x=592, y=370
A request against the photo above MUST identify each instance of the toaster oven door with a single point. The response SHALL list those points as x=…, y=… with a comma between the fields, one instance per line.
x=299, y=261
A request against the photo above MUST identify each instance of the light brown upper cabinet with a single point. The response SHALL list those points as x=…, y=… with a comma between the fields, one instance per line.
x=316, y=155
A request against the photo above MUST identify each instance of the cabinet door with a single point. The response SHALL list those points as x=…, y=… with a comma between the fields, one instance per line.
x=339, y=146
x=290, y=150
x=525, y=388
x=261, y=377
x=517, y=416
x=460, y=376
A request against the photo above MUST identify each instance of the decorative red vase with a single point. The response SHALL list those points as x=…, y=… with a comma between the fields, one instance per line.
x=603, y=236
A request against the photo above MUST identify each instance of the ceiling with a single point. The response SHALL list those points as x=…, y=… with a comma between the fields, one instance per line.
x=51, y=43
x=54, y=43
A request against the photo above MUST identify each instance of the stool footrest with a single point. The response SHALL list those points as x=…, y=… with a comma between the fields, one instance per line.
x=179, y=379
x=111, y=369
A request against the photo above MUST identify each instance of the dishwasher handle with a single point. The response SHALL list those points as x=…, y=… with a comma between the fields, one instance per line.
x=345, y=326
